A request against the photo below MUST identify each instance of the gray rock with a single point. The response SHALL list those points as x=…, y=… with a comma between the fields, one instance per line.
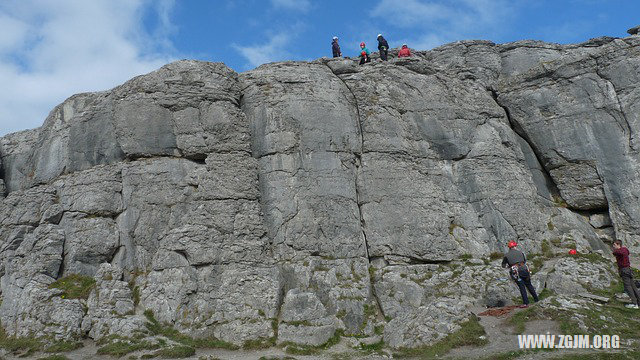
x=634, y=30
x=575, y=275
x=314, y=335
x=302, y=198
x=599, y=221
x=111, y=307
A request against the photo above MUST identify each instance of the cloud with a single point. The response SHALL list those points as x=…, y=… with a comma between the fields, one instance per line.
x=50, y=50
x=297, y=5
x=435, y=22
x=273, y=50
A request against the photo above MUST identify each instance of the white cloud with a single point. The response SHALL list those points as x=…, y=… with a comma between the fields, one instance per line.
x=50, y=50
x=273, y=50
x=298, y=5
x=436, y=22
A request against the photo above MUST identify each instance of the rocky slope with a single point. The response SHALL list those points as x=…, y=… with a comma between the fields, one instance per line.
x=299, y=199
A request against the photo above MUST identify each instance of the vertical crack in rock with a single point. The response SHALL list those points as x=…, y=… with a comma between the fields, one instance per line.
x=358, y=163
x=627, y=128
x=519, y=131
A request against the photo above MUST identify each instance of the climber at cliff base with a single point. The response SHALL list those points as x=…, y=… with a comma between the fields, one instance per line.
x=626, y=274
x=519, y=272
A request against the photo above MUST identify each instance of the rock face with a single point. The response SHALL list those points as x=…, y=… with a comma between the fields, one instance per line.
x=303, y=198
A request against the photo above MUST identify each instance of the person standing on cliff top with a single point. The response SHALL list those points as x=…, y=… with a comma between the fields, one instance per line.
x=364, y=54
x=519, y=272
x=624, y=269
x=335, y=47
x=383, y=47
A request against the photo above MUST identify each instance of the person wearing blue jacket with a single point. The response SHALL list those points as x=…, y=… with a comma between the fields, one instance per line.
x=364, y=54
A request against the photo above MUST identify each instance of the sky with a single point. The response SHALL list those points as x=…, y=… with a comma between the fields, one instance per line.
x=52, y=49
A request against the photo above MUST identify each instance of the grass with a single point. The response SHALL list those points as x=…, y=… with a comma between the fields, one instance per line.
x=372, y=348
x=156, y=328
x=23, y=345
x=74, y=286
x=469, y=335
x=121, y=348
x=54, y=357
x=545, y=293
x=495, y=256
x=519, y=320
x=297, y=349
x=546, y=249
x=258, y=344
x=64, y=346
x=505, y=356
x=175, y=352
x=631, y=355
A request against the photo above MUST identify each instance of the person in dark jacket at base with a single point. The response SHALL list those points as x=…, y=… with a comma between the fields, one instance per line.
x=519, y=272
x=383, y=47
x=335, y=48
x=364, y=54
x=404, y=52
x=624, y=269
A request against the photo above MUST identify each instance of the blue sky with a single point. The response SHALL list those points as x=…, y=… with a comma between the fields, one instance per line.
x=52, y=49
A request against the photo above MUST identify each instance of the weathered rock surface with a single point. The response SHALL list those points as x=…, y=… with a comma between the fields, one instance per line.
x=301, y=199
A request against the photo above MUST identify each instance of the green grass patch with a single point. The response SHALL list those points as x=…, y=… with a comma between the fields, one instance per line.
x=468, y=335
x=519, y=320
x=175, y=352
x=54, y=357
x=121, y=348
x=74, y=286
x=545, y=293
x=297, y=349
x=64, y=346
x=372, y=348
x=156, y=328
x=258, y=344
x=495, y=256
x=19, y=345
x=546, y=249
x=630, y=355
x=511, y=355
x=378, y=329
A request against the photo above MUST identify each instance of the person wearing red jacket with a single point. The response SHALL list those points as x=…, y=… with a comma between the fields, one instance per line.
x=624, y=269
x=404, y=52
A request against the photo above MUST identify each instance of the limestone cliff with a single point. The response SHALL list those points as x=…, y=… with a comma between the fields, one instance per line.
x=301, y=198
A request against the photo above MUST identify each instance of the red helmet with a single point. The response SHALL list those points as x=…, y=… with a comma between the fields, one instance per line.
x=512, y=244
x=363, y=53
x=362, y=44
x=573, y=252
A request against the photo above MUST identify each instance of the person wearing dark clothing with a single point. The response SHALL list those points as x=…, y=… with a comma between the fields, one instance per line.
x=335, y=48
x=364, y=54
x=624, y=269
x=383, y=47
x=404, y=52
x=519, y=272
